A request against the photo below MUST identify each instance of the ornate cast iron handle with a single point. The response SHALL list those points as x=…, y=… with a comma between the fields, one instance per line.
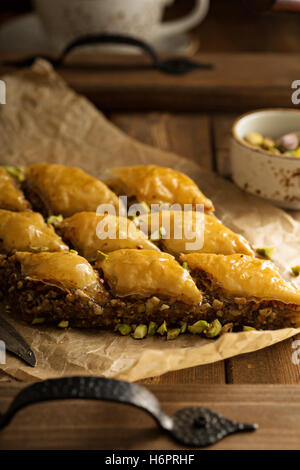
x=195, y=426
x=174, y=66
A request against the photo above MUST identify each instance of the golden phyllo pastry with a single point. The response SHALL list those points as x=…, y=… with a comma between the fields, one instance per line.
x=88, y=233
x=27, y=231
x=11, y=197
x=158, y=185
x=147, y=272
x=189, y=231
x=245, y=290
x=58, y=189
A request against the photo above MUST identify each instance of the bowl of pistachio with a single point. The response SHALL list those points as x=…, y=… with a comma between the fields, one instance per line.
x=265, y=155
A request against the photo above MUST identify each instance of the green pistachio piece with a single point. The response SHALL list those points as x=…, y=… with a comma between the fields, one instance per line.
x=296, y=270
x=55, y=220
x=248, y=328
x=198, y=327
x=63, y=324
x=16, y=173
x=141, y=308
x=185, y=266
x=124, y=329
x=37, y=321
x=183, y=327
x=140, y=332
x=164, y=307
x=266, y=252
x=254, y=138
x=102, y=254
x=173, y=333
x=214, y=329
x=162, y=330
x=73, y=252
x=152, y=328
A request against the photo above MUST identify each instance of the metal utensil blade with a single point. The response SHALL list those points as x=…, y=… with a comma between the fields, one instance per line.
x=15, y=343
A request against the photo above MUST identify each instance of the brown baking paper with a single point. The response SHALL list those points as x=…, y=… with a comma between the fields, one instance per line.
x=44, y=120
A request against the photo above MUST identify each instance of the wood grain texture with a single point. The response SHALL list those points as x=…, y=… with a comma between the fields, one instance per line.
x=94, y=425
x=188, y=135
x=237, y=82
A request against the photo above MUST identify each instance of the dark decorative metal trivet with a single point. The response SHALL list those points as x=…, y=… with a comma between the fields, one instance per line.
x=195, y=426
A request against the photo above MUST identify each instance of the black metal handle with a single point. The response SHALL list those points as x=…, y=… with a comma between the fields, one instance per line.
x=170, y=66
x=194, y=426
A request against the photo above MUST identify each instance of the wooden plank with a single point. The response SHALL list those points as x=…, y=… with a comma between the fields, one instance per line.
x=185, y=134
x=273, y=365
x=93, y=425
x=237, y=82
x=188, y=135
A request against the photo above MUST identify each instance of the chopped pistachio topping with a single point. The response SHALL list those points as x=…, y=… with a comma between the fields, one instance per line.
x=63, y=324
x=37, y=321
x=141, y=308
x=16, y=173
x=73, y=252
x=214, y=329
x=266, y=252
x=173, y=333
x=140, y=332
x=198, y=327
x=124, y=329
x=183, y=327
x=162, y=330
x=152, y=328
x=35, y=248
x=102, y=254
x=185, y=266
x=55, y=220
x=164, y=307
x=296, y=270
x=248, y=328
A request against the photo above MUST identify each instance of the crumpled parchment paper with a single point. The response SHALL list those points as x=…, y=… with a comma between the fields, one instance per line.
x=44, y=120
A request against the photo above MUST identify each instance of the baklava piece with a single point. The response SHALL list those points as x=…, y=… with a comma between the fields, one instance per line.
x=157, y=185
x=244, y=290
x=11, y=197
x=89, y=233
x=27, y=231
x=149, y=286
x=60, y=288
x=58, y=189
x=188, y=231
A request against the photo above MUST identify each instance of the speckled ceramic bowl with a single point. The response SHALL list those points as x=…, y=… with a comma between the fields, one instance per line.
x=273, y=177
